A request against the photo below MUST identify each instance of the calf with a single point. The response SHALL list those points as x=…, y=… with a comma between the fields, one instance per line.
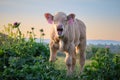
x=68, y=35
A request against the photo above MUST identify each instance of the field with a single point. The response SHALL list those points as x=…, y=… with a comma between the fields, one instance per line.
x=28, y=60
x=60, y=63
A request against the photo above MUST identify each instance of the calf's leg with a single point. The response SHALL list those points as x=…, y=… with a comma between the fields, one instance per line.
x=82, y=48
x=70, y=59
x=53, y=52
x=73, y=60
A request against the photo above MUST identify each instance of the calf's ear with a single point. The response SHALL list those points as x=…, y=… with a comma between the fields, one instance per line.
x=71, y=18
x=49, y=17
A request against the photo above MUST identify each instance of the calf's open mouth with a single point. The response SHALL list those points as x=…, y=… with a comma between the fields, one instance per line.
x=59, y=30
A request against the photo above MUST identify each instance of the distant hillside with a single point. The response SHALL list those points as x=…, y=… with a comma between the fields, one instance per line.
x=95, y=42
x=108, y=42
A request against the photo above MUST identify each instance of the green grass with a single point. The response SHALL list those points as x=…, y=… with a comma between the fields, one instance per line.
x=61, y=66
x=60, y=63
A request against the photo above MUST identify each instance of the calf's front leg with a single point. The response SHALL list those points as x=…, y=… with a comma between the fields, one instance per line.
x=53, y=51
x=70, y=59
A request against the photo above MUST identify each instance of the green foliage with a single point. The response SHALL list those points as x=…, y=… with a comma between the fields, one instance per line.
x=26, y=60
x=105, y=66
x=91, y=51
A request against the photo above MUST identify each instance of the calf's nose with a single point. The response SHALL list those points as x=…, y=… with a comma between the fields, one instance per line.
x=59, y=26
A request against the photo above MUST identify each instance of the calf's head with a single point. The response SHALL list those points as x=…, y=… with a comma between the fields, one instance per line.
x=60, y=22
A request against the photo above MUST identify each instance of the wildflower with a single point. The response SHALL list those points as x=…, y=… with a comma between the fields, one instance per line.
x=30, y=32
x=16, y=25
x=43, y=34
x=41, y=30
x=32, y=28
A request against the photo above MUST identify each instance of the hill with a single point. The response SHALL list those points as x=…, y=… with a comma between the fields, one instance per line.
x=94, y=42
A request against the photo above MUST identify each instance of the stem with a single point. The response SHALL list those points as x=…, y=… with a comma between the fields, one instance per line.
x=19, y=32
x=33, y=34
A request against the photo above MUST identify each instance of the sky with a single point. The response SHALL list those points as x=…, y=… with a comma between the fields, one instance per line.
x=101, y=17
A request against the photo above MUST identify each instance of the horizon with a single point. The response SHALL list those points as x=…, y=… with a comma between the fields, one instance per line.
x=94, y=42
x=102, y=18
x=87, y=39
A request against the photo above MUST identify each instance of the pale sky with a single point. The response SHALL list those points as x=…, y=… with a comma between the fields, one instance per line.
x=102, y=17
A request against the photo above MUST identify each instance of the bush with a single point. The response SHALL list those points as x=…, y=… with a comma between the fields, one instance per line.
x=26, y=60
x=105, y=66
x=90, y=51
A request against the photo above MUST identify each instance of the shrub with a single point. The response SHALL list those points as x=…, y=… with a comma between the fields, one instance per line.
x=90, y=51
x=26, y=60
x=105, y=66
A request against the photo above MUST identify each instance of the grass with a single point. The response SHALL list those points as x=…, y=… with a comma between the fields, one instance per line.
x=60, y=64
